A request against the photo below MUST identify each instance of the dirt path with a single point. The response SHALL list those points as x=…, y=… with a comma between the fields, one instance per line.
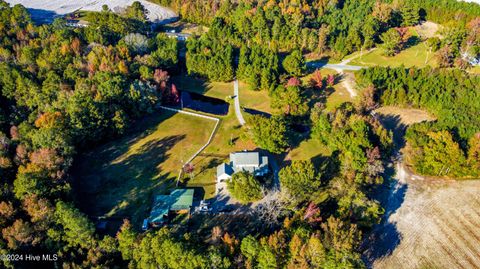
x=347, y=82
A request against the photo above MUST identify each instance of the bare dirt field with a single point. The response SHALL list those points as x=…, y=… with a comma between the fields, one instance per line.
x=437, y=225
x=428, y=223
x=427, y=29
x=407, y=116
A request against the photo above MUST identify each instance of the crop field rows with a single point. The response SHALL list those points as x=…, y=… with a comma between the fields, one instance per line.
x=436, y=226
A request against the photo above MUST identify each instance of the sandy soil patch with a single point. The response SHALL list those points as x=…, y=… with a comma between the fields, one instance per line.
x=406, y=116
x=427, y=29
x=42, y=10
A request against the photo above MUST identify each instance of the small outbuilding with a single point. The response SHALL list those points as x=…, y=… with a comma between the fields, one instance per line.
x=179, y=201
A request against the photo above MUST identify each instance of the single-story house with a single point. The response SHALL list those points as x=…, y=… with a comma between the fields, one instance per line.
x=249, y=161
x=179, y=201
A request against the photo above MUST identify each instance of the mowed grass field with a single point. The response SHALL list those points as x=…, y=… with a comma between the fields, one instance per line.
x=257, y=100
x=120, y=178
x=230, y=135
x=417, y=55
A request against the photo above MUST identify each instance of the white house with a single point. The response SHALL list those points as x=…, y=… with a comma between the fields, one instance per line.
x=252, y=162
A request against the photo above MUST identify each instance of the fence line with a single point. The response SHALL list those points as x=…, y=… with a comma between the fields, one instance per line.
x=217, y=121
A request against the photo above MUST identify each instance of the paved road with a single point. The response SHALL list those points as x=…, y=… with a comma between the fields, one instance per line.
x=338, y=67
x=238, y=110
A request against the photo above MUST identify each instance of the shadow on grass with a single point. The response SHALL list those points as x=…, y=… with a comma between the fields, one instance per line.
x=109, y=181
x=191, y=84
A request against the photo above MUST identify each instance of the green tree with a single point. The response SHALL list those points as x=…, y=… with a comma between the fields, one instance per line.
x=300, y=179
x=161, y=250
x=78, y=230
x=289, y=100
x=294, y=63
x=391, y=42
x=244, y=187
x=410, y=14
x=136, y=11
x=269, y=133
x=126, y=238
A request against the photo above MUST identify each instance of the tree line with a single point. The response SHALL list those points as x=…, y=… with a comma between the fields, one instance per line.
x=448, y=146
x=63, y=90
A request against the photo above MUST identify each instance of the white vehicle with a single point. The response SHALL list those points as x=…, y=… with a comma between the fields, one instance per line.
x=204, y=207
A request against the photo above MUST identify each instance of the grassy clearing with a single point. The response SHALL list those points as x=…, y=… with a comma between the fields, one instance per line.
x=412, y=56
x=257, y=100
x=217, y=152
x=406, y=116
x=120, y=178
x=417, y=55
x=308, y=149
x=219, y=90
x=185, y=28
x=475, y=70
x=397, y=118
x=229, y=137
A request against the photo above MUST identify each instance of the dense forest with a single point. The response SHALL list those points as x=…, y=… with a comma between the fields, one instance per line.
x=448, y=146
x=265, y=36
x=64, y=90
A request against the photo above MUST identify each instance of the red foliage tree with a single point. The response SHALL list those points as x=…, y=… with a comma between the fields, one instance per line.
x=312, y=213
x=293, y=81
x=14, y=134
x=39, y=209
x=21, y=233
x=21, y=154
x=161, y=78
x=175, y=94
x=330, y=80
x=404, y=34
x=317, y=79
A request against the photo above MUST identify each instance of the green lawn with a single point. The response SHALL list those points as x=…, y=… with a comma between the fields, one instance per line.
x=219, y=90
x=413, y=56
x=309, y=149
x=120, y=178
x=217, y=152
x=475, y=70
x=257, y=100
